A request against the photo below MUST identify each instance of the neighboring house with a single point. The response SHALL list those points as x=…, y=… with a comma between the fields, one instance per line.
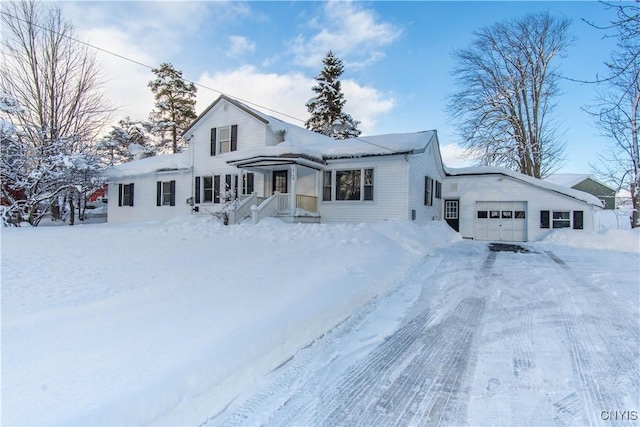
x=267, y=167
x=588, y=184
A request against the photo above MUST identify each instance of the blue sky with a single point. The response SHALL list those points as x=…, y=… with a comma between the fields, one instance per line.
x=397, y=57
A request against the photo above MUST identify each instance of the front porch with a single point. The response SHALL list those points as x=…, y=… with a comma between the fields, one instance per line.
x=302, y=208
x=290, y=190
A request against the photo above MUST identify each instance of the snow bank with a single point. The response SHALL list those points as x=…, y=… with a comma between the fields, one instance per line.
x=152, y=323
x=609, y=239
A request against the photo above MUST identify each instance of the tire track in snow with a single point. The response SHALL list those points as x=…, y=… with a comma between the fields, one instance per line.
x=284, y=384
x=419, y=390
x=598, y=355
x=392, y=368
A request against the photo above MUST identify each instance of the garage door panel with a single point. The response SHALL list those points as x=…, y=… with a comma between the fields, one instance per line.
x=501, y=221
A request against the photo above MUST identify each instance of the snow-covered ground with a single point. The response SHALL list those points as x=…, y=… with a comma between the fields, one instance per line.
x=184, y=323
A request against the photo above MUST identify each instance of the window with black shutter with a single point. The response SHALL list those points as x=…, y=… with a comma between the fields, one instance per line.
x=207, y=187
x=166, y=193
x=234, y=137
x=125, y=195
x=544, y=219
x=428, y=191
x=213, y=141
x=197, y=189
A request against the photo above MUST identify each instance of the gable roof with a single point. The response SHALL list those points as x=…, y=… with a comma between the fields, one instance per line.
x=572, y=179
x=546, y=185
x=238, y=104
x=299, y=140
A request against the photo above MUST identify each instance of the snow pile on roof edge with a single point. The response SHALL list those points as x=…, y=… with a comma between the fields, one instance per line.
x=151, y=164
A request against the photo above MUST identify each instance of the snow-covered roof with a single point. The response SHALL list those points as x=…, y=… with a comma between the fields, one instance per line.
x=571, y=179
x=561, y=189
x=166, y=162
x=298, y=140
x=321, y=147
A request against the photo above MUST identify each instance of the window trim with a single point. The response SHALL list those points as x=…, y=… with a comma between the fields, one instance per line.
x=428, y=191
x=164, y=197
x=561, y=222
x=333, y=185
x=218, y=143
x=122, y=193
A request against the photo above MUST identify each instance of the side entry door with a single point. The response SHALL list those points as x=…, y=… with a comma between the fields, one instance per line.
x=452, y=213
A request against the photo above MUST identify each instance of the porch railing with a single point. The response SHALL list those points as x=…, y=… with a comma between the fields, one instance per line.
x=243, y=209
x=281, y=203
x=267, y=208
x=307, y=203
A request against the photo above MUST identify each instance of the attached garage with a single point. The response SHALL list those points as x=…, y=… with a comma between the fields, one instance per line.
x=504, y=221
x=495, y=204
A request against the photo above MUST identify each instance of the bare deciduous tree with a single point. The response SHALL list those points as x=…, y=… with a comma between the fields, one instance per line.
x=617, y=110
x=507, y=79
x=57, y=82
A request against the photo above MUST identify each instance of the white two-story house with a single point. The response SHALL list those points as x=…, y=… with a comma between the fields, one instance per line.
x=252, y=165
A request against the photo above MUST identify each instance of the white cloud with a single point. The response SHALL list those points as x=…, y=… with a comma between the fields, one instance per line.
x=288, y=94
x=125, y=82
x=239, y=45
x=365, y=104
x=453, y=155
x=354, y=33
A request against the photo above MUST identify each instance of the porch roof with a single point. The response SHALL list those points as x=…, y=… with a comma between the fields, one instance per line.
x=266, y=161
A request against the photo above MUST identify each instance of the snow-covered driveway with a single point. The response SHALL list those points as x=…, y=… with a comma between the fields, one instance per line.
x=547, y=337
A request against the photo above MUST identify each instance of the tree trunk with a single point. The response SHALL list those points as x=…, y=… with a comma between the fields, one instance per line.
x=72, y=211
x=55, y=211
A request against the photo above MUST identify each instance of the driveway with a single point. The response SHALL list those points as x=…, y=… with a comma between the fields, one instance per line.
x=540, y=336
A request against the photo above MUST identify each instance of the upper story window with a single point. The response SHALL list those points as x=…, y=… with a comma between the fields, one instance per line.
x=224, y=139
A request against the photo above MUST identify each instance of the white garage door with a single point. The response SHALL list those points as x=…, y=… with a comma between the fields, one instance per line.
x=501, y=221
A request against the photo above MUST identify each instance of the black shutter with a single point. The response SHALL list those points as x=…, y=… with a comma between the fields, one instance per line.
x=250, y=183
x=213, y=141
x=172, y=202
x=235, y=188
x=578, y=220
x=197, y=189
x=426, y=193
x=131, y=199
x=159, y=193
x=544, y=219
x=216, y=189
x=227, y=186
x=120, y=194
x=234, y=137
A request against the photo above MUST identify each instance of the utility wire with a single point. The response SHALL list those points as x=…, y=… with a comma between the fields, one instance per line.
x=187, y=80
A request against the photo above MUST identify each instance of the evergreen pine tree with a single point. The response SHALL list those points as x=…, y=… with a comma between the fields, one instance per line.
x=175, y=104
x=326, y=107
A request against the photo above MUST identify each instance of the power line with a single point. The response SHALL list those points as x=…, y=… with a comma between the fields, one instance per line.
x=187, y=80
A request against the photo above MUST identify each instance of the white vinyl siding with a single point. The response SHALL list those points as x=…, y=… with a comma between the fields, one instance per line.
x=420, y=166
x=251, y=133
x=390, y=189
x=145, y=207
